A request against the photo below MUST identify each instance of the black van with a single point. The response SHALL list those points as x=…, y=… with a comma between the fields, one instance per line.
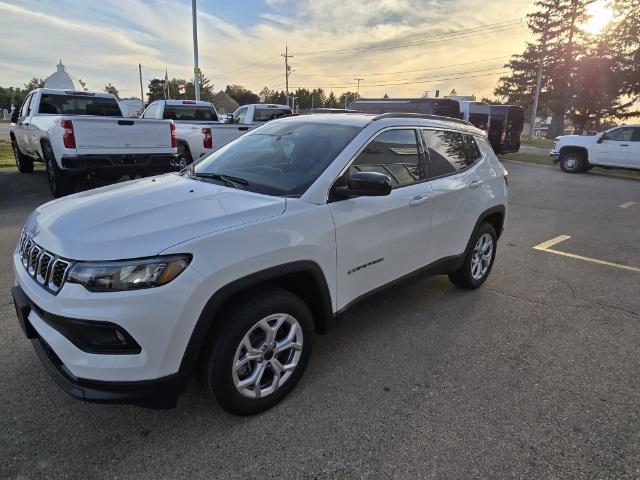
x=507, y=122
x=443, y=107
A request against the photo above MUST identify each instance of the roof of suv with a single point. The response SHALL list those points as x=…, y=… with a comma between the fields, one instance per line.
x=385, y=120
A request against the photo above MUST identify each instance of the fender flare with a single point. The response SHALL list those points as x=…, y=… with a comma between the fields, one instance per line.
x=206, y=323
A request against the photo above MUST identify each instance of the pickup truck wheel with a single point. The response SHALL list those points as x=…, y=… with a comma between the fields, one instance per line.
x=24, y=163
x=478, y=260
x=572, y=162
x=261, y=351
x=183, y=158
x=59, y=183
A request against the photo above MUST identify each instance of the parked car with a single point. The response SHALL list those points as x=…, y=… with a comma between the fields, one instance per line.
x=234, y=264
x=618, y=147
x=476, y=113
x=77, y=133
x=506, y=124
x=195, y=123
x=433, y=106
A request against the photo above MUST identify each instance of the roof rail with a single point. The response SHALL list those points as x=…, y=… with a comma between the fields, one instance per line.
x=421, y=115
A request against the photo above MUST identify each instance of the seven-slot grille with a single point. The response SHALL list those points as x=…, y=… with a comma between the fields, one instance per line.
x=47, y=269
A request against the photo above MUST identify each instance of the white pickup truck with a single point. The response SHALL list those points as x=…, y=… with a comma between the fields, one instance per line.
x=77, y=133
x=199, y=128
x=618, y=147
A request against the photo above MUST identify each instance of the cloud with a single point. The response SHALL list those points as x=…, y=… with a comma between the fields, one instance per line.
x=103, y=41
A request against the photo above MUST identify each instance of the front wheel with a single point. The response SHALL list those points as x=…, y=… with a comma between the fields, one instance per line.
x=261, y=351
x=478, y=260
x=24, y=163
x=572, y=162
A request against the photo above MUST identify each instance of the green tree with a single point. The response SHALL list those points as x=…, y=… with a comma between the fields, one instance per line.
x=33, y=84
x=112, y=90
x=624, y=38
x=157, y=90
x=241, y=94
x=560, y=42
x=346, y=98
x=332, y=101
x=318, y=98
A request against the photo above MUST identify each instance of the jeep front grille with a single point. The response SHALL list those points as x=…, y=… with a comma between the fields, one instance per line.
x=46, y=268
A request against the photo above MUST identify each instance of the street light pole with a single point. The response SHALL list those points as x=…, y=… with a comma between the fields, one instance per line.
x=536, y=96
x=196, y=68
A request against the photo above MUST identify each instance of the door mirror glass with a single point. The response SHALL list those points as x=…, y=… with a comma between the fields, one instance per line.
x=368, y=184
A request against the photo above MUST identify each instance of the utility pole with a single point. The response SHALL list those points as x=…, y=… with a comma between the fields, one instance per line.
x=536, y=96
x=358, y=80
x=346, y=98
x=141, y=90
x=287, y=70
x=196, y=68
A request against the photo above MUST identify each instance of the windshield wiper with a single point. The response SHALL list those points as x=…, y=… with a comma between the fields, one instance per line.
x=235, y=182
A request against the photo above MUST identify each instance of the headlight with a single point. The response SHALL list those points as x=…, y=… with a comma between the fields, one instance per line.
x=128, y=274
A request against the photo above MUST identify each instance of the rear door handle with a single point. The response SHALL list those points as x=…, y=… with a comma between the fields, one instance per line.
x=418, y=200
x=624, y=145
x=243, y=128
x=475, y=184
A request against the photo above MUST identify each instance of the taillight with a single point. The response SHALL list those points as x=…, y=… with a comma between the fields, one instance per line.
x=174, y=140
x=503, y=135
x=68, y=137
x=207, y=142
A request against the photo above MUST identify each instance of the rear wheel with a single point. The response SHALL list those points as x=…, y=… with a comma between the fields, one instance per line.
x=183, y=158
x=24, y=163
x=478, y=260
x=572, y=162
x=60, y=183
x=261, y=351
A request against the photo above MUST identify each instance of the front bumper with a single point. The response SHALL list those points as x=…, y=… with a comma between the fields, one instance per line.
x=157, y=393
x=554, y=156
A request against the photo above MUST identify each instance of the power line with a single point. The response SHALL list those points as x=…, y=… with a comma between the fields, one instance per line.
x=421, y=39
x=413, y=82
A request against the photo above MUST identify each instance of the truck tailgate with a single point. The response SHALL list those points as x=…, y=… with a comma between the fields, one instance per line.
x=122, y=135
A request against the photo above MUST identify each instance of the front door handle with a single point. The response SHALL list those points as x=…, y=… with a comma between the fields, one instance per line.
x=243, y=128
x=418, y=200
x=475, y=184
x=624, y=145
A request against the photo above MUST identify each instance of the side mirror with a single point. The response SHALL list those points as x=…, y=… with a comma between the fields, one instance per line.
x=601, y=138
x=15, y=115
x=365, y=184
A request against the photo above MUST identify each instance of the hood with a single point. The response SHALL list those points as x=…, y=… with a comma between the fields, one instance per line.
x=581, y=139
x=143, y=217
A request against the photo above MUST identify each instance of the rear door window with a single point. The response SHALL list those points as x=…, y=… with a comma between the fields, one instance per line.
x=394, y=153
x=447, y=152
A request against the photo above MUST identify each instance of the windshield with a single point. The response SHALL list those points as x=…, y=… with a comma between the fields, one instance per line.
x=282, y=158
x=79, y=105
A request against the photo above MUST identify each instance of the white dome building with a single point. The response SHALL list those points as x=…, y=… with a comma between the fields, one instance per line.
x=60, y=79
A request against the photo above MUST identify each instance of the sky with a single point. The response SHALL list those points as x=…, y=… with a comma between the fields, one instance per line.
x=397, y=47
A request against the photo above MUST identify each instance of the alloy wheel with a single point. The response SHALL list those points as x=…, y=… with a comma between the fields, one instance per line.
x=481, y=257
x=267, y=355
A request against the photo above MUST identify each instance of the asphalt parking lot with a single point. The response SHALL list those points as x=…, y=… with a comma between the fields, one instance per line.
x=535, y=375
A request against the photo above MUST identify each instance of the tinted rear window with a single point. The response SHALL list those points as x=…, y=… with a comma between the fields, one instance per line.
x=266, y=114
x=189, y=112
x=79, y=105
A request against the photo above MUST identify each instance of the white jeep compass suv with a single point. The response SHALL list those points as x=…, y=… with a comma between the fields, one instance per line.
x=231, y=267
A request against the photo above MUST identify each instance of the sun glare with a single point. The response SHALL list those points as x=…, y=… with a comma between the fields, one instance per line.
x=600, y=14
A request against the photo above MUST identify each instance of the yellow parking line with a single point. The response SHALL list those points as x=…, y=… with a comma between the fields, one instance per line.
x=626, y=205
x=545, y=247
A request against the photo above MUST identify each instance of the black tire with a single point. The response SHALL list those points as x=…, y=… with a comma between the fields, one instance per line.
x=24, y=163
x=572, y=162
x=465, y=276
x=240, y=317
x=183, y=158
x=60, y=183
